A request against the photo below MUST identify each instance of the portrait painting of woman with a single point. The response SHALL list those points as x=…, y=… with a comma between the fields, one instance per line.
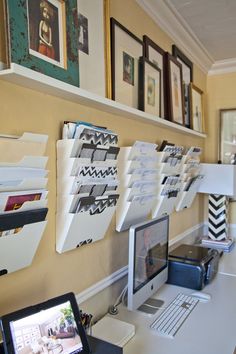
x=46, y=30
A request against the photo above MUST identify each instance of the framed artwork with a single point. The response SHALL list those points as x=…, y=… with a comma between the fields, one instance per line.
x=149, y=87
x=94, y=46
x=227, y=138
x=156, y=55
x=196, y=106
x=187, y=71
x=126, y=49
x=174, y=106
x=43, y=37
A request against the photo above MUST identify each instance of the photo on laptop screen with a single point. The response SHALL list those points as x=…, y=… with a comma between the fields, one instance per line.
x=50, y=327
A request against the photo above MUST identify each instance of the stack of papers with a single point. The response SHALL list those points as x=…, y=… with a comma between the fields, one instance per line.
x=224, y=245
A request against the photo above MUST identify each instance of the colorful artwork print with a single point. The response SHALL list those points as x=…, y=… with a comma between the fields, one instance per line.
x=83, y=34
x=45, y=30
x=128, y=69
x=151, y=85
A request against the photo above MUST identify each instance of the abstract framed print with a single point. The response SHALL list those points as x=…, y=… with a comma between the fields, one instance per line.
x=187, y=71
x=126, y=49
x=43, y=37
x=197, y=111
x=156, y=55
x=174, y=106
x=149, y=87
x=94, y=46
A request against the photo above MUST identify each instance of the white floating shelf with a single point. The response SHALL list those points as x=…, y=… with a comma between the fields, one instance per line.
x=25, y=77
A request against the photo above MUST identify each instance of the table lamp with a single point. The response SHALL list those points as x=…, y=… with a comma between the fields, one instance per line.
x=220, y=183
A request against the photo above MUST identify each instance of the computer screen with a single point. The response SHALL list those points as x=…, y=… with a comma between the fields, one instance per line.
x=148, y=260
x=50, y=327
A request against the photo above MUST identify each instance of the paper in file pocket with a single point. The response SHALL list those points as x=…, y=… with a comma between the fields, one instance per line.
x=24, y=184
x=95, y=135
x=89, y=224
x=10, y=201
x=99, y=172
x=133, y=212
x=15, y=220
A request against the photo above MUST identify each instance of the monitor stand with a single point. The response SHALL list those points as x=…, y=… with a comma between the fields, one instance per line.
x=151, y=306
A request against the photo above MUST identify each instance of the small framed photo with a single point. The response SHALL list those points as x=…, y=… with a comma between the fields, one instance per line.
x=197, y=111
x=174, y=106
x=126, y=49
x=149, y=87
x=43, y=37
x=156, y=55
x=94, y=46
x=187, y=71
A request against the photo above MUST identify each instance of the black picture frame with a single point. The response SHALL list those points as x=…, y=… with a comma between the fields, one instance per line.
x=126, y=50
x=187, y=69
x=174, y=105
x=6, y=320
x=149, y=87
x=156, y=55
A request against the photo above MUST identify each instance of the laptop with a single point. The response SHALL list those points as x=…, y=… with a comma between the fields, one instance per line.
x=53, y=326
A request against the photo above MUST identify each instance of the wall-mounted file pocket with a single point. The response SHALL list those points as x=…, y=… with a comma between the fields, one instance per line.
x=172, y=165
x=192, y=166
x=139, y=149
x=27, y=161
x=90, y=186
x=79, y=148
x=17, y=250
x=140, y=174
x=15, y=220
x=88, y=224
x=165, y=202
x=188, y=192
x=139, y=188
x=12, y=201
x=83, y=168
x=13, y=150
x=24, y=184
x=132, y=212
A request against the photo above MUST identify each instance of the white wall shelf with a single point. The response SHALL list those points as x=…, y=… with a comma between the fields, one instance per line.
x=25, y=77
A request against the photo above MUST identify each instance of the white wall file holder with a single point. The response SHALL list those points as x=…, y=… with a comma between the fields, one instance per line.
x=186, y=198
x=164, y=205
x=17, y=251
x=75, y=230
x=132, y=212
x=22, y=168
x=74, y=227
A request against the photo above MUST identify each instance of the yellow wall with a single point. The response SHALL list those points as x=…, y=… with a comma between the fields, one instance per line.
x=221, y=94
x=22, y=110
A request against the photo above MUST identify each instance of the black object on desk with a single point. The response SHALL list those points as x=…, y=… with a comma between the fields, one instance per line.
x=99, y=346
x=192, y=266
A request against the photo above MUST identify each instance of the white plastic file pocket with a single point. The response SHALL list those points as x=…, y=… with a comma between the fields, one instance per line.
x=24, y=184
x=140, y=174
x=188, y=193
x=81, y=149
x=89, y=186
x=17, y=250
x=139, y=188
x=165, y=203
x=87, y=225
x=22, y=200
x=27, y=161
x=132, y=212
x=139, y=149
x=13, y=150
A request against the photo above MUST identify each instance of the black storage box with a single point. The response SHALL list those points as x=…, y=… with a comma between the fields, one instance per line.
x=192, y=266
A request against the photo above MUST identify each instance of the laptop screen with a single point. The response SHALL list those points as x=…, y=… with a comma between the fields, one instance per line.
x=50, y=327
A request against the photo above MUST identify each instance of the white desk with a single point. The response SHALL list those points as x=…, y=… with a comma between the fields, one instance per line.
x=210, y=328
x=228, y=263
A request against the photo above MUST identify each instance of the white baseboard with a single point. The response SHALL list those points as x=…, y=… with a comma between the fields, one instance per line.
x=85, y=295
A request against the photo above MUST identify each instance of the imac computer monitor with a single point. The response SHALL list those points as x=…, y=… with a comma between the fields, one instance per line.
x=148, y=262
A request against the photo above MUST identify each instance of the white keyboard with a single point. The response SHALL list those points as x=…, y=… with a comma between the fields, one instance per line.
x=172, y=318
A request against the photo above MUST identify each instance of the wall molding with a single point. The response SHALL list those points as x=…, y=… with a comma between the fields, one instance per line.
x=223, y=67
x=122, y=272
x=166, y=16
